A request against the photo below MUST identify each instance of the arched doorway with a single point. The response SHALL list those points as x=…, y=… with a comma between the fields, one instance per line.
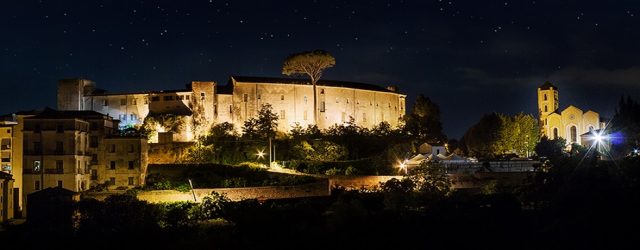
x=573, y=131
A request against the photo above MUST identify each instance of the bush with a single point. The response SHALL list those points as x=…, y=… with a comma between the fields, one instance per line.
x=333, y=171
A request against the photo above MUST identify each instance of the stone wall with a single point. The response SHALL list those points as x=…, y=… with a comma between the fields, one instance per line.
x=360, y=182
x=320, y=188
x=167, y=153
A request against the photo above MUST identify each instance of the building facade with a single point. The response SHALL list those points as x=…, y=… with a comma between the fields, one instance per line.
x=202, y=104
x=75, y=150
x=568, y=123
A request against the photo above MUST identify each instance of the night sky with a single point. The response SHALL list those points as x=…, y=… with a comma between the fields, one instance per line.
x=471, y=57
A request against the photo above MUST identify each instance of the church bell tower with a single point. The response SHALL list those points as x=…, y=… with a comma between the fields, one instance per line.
x=547, y=101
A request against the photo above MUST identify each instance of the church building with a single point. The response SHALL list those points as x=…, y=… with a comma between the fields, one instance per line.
x=568, y=123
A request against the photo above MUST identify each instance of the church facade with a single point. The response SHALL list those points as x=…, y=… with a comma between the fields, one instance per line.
x=203, y=104
x=569, y=123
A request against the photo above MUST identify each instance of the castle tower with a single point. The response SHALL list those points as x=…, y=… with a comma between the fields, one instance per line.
x=71, y=93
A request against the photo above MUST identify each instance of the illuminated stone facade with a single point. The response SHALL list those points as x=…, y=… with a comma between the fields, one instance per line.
x=569, y=123
x=202, y=104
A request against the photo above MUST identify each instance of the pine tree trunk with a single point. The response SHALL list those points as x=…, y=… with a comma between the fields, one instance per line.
x=315, y=103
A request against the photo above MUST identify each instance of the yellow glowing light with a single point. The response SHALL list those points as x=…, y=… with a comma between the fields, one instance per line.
x=260, y=154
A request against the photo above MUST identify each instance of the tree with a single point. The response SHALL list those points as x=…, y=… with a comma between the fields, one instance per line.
x=264, y=125
x=550, y=148
x=312, y=64
x=424, y=120
x=497, y=134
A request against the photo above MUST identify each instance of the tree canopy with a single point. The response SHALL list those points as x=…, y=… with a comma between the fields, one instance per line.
x=497, y=134
x=310, y=63
x=424, y=120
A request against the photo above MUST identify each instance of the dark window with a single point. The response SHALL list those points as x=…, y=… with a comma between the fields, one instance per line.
x=94, y=174
x=59, y=166
x=322, y=106
x=134, y=101
x=574, y=133
x=59, y=147
x=94, y=158
x=202, y=96
x=37, y=185
x=37, y=147
x=123, y=102
x=168, y=98
x=187, y=97
x=112, y=148
x=60, y=128
x=245, y=97
x=545, y=97
x=131, y=181
x=155, y=98
x=281, y=97
x=112, y=180
x=545, y=108
x=130, y=164
x=105, y=102
x=322, y=91
x=93, y=141
x=112, y=165
x=131, y=147
x=555, y=133
x=36, y=128
x=59, y=184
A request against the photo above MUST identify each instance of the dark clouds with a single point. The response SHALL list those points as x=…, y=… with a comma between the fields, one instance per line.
x=471, y=57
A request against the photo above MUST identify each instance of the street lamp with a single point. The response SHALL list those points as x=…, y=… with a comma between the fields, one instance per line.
x=403, y=166
x=260, y=154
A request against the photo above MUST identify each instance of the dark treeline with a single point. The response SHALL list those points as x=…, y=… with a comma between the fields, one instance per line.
x=575, y=202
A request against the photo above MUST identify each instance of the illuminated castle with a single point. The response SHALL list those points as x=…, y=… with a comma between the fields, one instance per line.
x=202, y=104
x=569, y=123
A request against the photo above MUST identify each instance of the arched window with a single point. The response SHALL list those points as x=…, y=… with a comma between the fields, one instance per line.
x=545, y=108
x=545, y=97
x=574, y=134
x=555, y=133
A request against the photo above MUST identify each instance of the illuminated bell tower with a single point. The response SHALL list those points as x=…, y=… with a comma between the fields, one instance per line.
x=547, y=102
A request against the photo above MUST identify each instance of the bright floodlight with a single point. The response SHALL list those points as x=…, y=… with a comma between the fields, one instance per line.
x=598, y=138
x=260, y=154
